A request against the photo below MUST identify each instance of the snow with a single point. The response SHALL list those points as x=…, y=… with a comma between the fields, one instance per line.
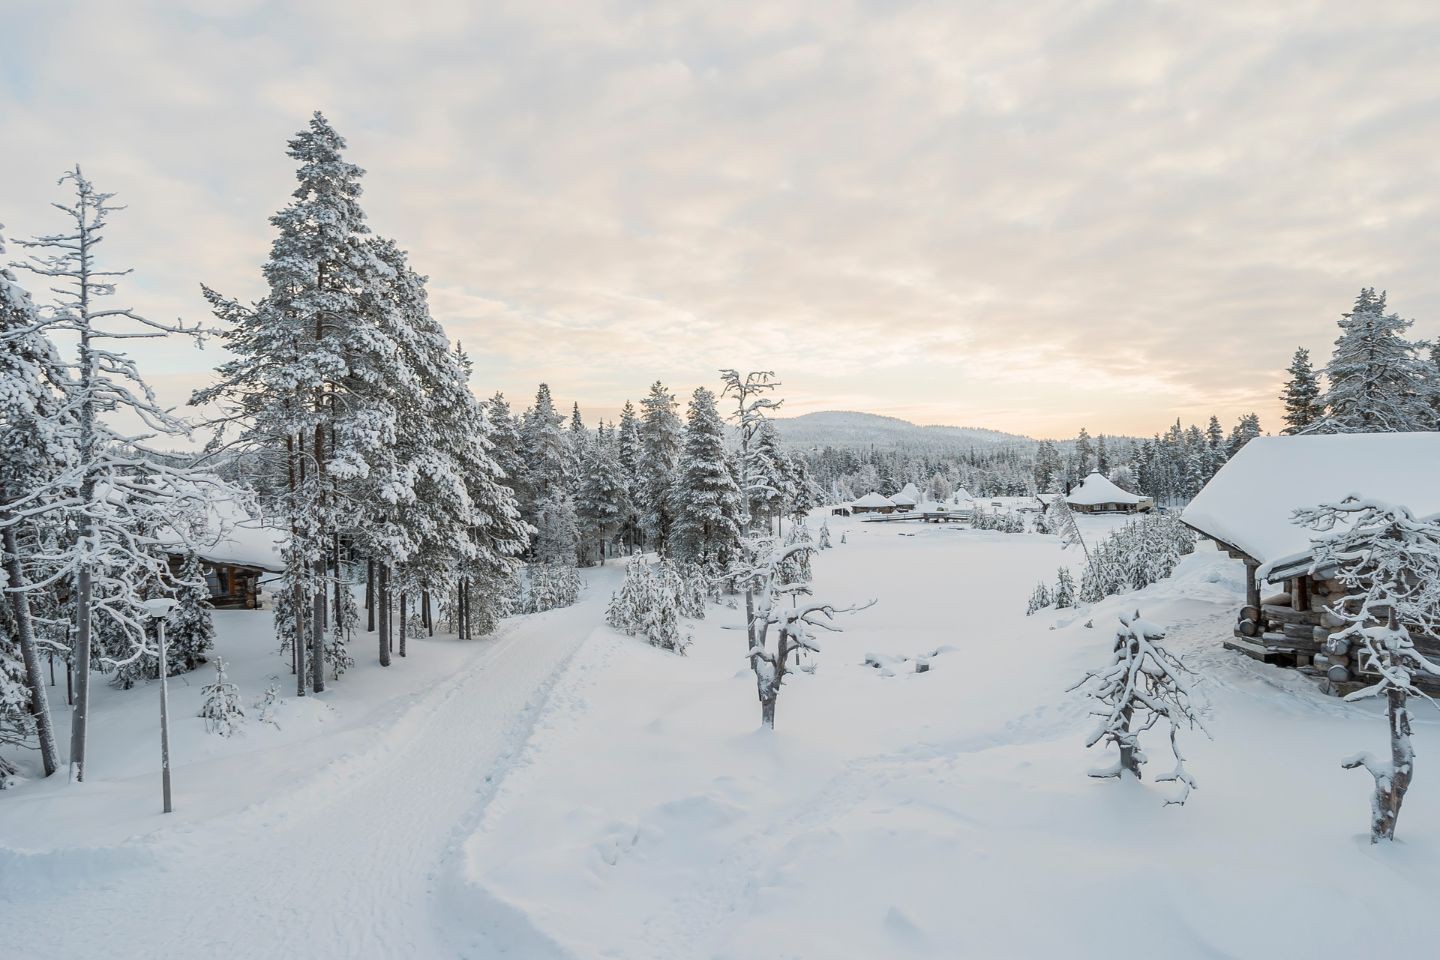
x=1098, y=489
x=873, y=499
x=230, y=535
x=561, y=790
x=1249, y=502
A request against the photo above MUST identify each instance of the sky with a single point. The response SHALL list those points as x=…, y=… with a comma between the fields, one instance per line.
x=1026, y=216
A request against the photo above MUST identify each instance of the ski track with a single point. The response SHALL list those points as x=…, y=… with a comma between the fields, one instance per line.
x=353, y=862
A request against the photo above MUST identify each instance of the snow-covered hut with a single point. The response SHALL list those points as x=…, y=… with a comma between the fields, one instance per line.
x=873, y=502
x=1098, y=494
x=235, y=552
x=1247, y=508
x=907, y=499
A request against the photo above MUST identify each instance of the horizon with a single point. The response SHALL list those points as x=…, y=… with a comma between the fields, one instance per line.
x=896, y=219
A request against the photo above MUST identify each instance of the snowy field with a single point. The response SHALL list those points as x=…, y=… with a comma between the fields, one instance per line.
x=560, y=790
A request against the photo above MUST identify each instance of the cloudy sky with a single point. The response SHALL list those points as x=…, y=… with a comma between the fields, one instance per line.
x=1028, y=216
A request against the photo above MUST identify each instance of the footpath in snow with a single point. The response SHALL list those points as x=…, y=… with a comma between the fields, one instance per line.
x=338, y=856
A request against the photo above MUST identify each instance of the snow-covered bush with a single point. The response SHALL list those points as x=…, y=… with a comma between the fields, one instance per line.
x=1388, y=561
x=1001, y=521
x=647, y=605
x=269, y=703
x=220, y=703
x=1144, y=551
x=824, y=542
x=1142, y=685
x=1039, y=599
x=548, y=586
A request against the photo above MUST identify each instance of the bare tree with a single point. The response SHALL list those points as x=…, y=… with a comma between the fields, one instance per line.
x=1142, y=685
x=785, y=611
x=117, y=489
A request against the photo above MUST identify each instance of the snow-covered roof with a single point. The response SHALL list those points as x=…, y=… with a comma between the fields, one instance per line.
x=1249, y=502
x=230, y=536
x=1098, y=489
x=962, y=494
x=904, y=499
x=873, y=499
x=910, y=492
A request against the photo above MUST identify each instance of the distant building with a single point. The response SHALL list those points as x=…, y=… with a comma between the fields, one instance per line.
x=873, y=502
x=907, y=499
x=1098, y=494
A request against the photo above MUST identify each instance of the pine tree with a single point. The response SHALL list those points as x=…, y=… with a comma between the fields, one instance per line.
x=190, y=633
x=705, y=500
x=1247, y=428
x=38, y=442
x=602, y=504
x=1302, y=394
x=1378, y=382
x=220, y=703
x=547, y=451
x=660, y=439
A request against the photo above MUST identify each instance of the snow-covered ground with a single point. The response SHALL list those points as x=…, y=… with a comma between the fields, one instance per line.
x=564, y=791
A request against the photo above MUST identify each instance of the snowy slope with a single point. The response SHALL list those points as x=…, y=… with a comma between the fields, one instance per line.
x=944, y=814
x=303, y=841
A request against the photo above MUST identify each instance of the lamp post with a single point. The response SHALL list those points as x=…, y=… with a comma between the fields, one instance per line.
x=157, y=610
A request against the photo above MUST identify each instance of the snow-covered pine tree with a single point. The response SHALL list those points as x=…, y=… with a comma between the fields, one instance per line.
x=1247, y=428
x=824, y=543
x=706, y=504
x=220, y=703
x=38, y=443
x=556, y=538
x=1302, y=394
x=497, y=535
x=1378, y=382
x=1064, y=595
x=660, y=442
x=629, y=452
x=1388, y=561
x=602, y=504
x=119, y=490
x=507, y=448
x=312, y=380
x=577, y=446
x=547, y=452
x=190, y=632
x=1142, y=685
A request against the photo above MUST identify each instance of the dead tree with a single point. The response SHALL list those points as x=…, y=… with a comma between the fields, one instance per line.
x=1388, y=561
x=1141, y=686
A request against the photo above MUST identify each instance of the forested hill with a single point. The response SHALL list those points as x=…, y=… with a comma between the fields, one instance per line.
x=848, y=429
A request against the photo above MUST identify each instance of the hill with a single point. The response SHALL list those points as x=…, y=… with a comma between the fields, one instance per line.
x=843, y=428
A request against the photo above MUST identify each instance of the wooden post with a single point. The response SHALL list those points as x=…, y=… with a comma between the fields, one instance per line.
x=1252, y=585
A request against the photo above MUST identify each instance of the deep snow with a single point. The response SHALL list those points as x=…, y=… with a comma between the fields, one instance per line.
x=561, y=790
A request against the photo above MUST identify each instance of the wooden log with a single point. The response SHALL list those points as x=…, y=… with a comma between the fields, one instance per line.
x=1338, y=673
x=1337, y=646
x=1247, y=628
x=1250, y=613
x=1308, y=618
x=1298, y=631
x=1277, y=600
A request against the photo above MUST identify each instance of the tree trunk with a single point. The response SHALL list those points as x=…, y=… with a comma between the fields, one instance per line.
x=317, y=633
x=81, y=655
x=382, y=595
x=404, y=616
x=370, y=595
x=1128, y=760
x=1402, y=761
x=767, y=710
x=39, y=696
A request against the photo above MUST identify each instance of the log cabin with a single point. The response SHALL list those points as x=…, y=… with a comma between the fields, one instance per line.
x=1246, y=510
x=236, y=552
x=873, y=502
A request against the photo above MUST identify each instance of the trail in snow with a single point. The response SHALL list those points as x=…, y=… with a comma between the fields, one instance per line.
x=346, y=865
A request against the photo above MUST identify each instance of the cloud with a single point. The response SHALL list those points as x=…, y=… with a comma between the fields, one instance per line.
x=1026, y=216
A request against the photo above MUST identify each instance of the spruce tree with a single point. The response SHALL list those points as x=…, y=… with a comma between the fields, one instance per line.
x=660, y=441
x=190, y=632
x=1377, y=381
x=1302, y=394
x=705, y=499
x=602, y=503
